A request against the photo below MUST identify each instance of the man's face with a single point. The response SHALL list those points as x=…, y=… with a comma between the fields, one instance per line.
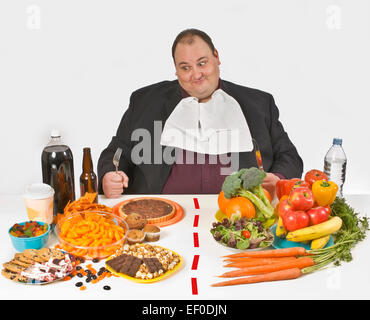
x=197, y=68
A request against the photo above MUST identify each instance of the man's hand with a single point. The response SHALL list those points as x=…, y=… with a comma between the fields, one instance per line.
x=269, y=183
x=113, y=183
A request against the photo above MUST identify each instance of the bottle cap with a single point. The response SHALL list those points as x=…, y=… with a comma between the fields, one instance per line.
x=37, y=191
x=337, y=141
x=55, y=134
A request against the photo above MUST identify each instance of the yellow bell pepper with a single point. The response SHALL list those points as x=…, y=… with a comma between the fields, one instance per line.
x=324, y=192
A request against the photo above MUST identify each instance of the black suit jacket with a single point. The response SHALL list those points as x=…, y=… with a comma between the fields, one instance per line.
x=156, y=102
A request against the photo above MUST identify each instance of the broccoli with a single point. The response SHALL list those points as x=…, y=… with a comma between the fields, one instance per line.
x=248, y=183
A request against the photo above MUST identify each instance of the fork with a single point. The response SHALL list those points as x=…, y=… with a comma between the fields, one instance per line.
x=257, y=152
x=116, y=158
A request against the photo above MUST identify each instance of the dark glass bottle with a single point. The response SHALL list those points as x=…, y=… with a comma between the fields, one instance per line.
x=88, y=178
x=57, y=171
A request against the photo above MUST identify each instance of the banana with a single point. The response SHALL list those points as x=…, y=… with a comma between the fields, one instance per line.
x=280, y=230
x=317, y=231
x=320, y=242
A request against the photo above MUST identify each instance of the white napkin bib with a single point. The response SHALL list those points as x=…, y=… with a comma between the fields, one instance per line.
x=217, y=126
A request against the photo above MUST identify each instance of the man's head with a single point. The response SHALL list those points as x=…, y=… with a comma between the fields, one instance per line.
x=197, y=63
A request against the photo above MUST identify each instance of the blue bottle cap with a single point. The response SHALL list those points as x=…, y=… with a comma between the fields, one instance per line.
x=337, y=141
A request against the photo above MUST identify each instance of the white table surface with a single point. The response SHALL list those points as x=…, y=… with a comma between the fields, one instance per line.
x=348, y=281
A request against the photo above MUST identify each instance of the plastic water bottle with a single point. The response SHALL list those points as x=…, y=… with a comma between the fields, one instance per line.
x=335, y=165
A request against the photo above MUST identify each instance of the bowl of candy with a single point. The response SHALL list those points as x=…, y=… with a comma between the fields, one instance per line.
x=29, y=235
x=91, y=234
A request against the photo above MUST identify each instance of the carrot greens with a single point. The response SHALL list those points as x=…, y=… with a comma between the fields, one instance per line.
x=353, y=231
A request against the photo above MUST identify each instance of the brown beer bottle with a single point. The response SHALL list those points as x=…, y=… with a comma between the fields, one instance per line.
x=88, y=179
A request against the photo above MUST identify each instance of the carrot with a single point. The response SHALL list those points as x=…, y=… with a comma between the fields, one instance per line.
x=241, y=259
x=258, y=262
x=244, y=259
x=275, y=253
x=286, y=274
x=256, y=259
x=298, y=263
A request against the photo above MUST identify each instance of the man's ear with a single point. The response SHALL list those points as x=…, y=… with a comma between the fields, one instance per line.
x=215, y=53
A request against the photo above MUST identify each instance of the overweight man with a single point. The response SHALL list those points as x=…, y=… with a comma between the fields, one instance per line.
x=184, y=136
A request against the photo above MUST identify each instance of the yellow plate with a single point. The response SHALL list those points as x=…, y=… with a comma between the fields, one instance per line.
x=163, y=276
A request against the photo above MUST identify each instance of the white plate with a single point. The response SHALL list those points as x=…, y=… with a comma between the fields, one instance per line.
x=37, y=282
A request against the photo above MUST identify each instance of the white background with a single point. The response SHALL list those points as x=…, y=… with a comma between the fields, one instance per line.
x=72, y=65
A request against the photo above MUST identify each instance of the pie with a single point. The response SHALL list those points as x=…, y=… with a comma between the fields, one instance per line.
x=154, y=210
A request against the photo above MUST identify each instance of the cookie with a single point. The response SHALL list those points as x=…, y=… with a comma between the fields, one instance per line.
x=22, y=258
x=55, y=253
x=32, y=254
x=45, y=254
x=13, y=276
x=20, y=263
x=13, y=267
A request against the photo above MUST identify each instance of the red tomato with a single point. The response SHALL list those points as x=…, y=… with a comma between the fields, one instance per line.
x=284, y=207
x=318, y=215
x=301, y=198
x=246, y=234
x=314, y=175
x=294, y=220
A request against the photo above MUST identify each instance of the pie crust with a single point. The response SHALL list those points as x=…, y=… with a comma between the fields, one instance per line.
x=152, y=209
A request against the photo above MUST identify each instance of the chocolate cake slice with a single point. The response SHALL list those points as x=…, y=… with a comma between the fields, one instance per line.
x=153, y=264
x=126, y=264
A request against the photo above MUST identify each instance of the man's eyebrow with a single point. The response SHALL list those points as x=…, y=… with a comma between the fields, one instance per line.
x=183, y=62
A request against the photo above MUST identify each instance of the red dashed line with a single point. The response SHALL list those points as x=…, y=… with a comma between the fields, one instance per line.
x=196, y=203
x=195, y=262
x=196, y=239
x=194, y=286
x=196, y=221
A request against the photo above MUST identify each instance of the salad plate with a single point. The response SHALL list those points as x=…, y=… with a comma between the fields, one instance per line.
x=242, y=234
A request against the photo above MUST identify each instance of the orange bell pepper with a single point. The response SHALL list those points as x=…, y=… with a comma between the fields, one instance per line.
x=324, y=192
